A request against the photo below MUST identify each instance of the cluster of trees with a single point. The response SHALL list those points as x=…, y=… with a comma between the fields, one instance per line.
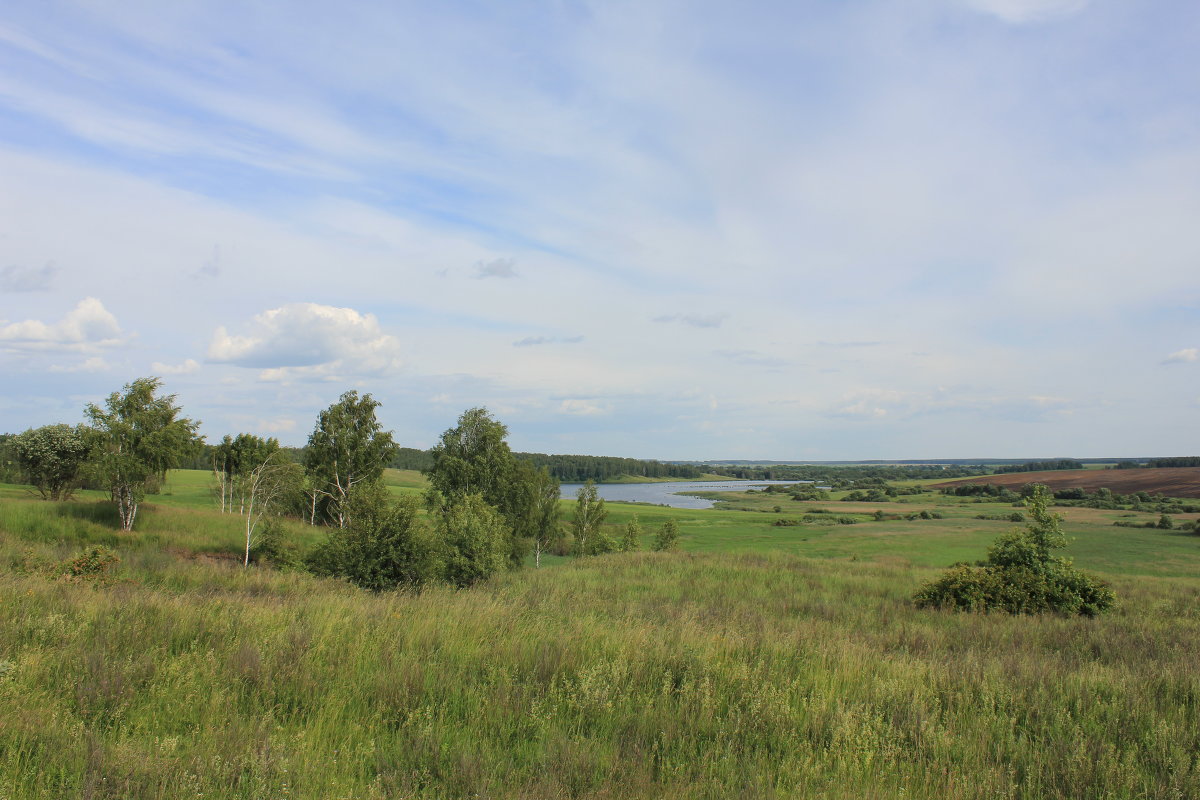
x=1039, y=466
x=126, y=449
x=567, y=468
x=486, y=509
x=577, y=469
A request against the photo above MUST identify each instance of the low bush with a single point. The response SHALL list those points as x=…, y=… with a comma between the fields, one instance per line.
x=1020, y=576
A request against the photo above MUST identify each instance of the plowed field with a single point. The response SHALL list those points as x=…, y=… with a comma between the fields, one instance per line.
x=1174, y=482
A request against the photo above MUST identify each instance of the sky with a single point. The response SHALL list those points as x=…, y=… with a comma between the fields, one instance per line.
x=679, y=230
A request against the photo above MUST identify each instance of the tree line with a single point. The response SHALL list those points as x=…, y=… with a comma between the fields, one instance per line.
x=486, y=508
x=841, y=476
x=1040, y=466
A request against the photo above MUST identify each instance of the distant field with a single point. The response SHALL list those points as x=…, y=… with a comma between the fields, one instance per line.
x=1176, y=482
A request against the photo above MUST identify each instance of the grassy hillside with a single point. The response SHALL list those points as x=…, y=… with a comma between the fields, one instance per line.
x=762, y=661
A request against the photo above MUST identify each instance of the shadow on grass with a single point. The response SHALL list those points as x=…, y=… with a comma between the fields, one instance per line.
x=100, y=512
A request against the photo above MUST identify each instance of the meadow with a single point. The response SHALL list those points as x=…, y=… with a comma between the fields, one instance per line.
x=761, y=661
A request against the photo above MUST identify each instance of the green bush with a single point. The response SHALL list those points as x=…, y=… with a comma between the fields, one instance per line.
x=384, y=547
x=1020, y=576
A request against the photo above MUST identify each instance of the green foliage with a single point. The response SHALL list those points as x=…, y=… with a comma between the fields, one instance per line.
x=534, y=508
x=233, y=460
x=137, y=438
x=475, y=540
x=383, y=547
x=473, y=458
x=667, y=538
x=347, y=449
x=1175, y=461
x=577, y=468
x=587, y=521
x=91, y=566
x=52, y=458
x=631, y=539
x=1020, y=575
x=273, y=547
x=1040, y=466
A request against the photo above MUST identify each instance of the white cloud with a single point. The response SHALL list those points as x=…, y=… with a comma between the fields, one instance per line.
x=87, y=328
x=307, y=340
x=93, y=364
x=1185, y=356
x=27, y=279
x=1022, y=11
x=579, y=407
x=186, y=368
x=695, y=320
x=533, y=341
x=277, y=425
x=497, y=268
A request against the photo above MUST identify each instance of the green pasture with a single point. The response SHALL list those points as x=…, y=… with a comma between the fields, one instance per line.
x=762, y=661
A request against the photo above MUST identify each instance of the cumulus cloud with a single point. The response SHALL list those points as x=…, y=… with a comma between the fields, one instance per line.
x=87, y=328
x=695, y=320
x=308, y=340
x=93, y=364
x=580, y=407
x=534, y=341
x=1185, y=356
x=1024, y=11
x=27, y=279
x=186, y=368
x=498, y=268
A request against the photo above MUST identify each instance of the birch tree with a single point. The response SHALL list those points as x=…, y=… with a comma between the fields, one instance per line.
x=543, y=512
x=138, y=437
x=348, y=449
x=265, y=489
x=589, y=516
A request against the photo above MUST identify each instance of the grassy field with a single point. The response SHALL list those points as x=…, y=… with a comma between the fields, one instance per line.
x=762, y=661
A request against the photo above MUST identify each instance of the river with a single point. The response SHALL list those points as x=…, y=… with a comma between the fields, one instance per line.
x=667, y=493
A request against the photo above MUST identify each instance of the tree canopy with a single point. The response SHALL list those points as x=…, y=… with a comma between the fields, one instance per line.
x=138, y=436
x=52, y=458
x=347, y=449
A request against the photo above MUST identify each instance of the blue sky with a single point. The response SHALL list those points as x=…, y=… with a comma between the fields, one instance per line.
x=823, y=230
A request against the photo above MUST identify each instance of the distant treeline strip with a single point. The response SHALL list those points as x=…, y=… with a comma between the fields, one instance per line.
x=1040, y=466
x=847, y=475
x=1179, y=461
x=570, y=468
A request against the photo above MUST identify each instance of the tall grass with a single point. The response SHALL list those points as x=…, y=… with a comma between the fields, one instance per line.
x=640, y=675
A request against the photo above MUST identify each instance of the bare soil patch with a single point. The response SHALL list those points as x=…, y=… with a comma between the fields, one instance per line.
x=1173, y=482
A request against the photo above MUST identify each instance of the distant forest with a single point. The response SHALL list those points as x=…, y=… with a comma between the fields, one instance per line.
x=1040, y=466
x=571, y=468
x=1180, y=461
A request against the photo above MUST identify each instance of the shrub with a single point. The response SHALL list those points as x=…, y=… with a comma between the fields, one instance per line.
x=1020, y=575
x=91, y=566
x=384, y=547
x=667, y=537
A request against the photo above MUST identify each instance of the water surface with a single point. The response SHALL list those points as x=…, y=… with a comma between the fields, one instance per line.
x=667, y=493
